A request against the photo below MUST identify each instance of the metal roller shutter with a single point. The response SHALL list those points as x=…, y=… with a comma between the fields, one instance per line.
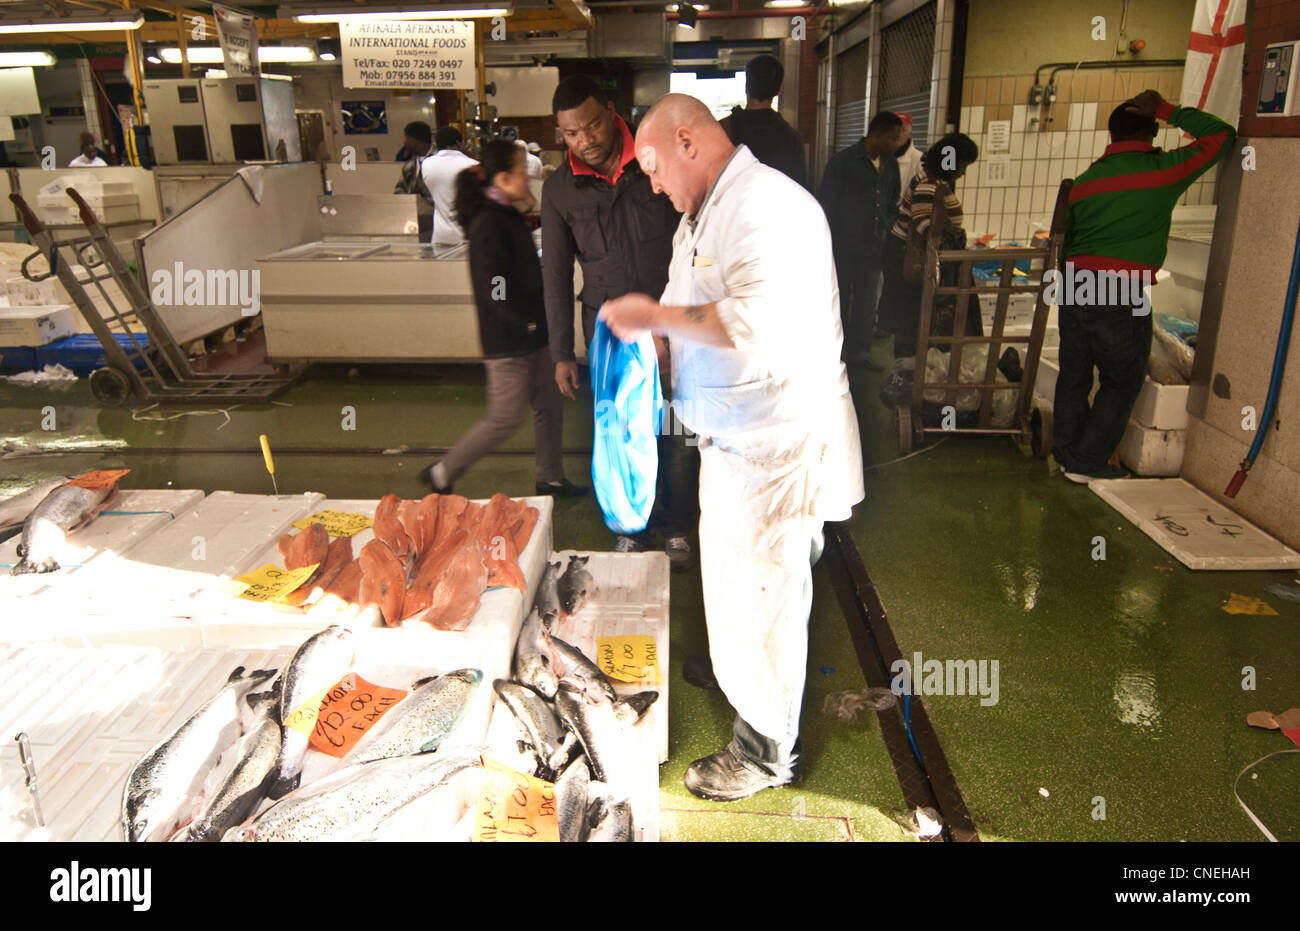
x=906, y=65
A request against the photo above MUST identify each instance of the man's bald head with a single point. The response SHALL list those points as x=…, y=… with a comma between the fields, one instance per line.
x=682, y=148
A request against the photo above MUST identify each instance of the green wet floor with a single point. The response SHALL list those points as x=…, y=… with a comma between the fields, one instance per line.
x=1118, y=680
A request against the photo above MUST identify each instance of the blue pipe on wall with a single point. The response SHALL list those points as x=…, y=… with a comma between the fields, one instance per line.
x=1275, y=382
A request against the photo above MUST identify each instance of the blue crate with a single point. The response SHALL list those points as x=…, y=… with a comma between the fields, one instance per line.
x=83, y=353
x=18, y=358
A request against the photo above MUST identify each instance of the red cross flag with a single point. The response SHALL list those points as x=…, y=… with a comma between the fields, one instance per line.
x=1212, y=75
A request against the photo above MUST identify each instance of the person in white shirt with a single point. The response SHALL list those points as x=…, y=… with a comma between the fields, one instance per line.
x=751, y=312
x=440, y=171
x=534, y=163
x=89, y=157
x=908, y=155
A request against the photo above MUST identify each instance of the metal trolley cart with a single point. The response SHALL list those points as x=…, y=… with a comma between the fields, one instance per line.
x=154, y=370
x=1028, y=427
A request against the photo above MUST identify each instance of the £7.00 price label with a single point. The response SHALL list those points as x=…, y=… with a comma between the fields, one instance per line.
x=633, y=658
x=515, y=807
x=270, y=583
x=337, y=523
x=347, y=711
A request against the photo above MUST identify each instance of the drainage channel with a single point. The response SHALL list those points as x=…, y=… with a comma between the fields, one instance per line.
x=923, y=774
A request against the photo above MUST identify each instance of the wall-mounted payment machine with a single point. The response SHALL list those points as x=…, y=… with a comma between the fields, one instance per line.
x=1277, y=84
x=251, y=119
x=178, y=125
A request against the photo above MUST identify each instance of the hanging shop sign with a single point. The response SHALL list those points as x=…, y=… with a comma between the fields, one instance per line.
x=238, y=38
x=425, y=54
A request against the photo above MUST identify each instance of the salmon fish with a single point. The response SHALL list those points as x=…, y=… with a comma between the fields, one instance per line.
x=65, y=509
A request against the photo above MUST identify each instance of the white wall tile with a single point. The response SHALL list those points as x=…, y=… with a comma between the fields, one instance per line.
x=977, y=118
x=1017, y=145
x=995, y=201
x=1072, y=144
x=963, y=121
x=1075, y=116
x=1089, y=115
x=1040, y=173
x=1018, y=114
x=1055, y=170
x=1037, y=203
x=1056, y=144
x=1100, y=139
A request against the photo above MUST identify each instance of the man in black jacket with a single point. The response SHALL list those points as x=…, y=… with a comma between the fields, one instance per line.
x=599, y=209
x=764, y=131
x=859, y=193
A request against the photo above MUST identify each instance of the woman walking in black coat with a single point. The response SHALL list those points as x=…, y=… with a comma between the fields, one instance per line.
x=507, y=279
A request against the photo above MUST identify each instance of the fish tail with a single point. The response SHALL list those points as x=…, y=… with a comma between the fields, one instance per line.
x=283, y=785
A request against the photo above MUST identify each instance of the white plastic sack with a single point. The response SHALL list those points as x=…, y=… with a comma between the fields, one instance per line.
x=973, y=360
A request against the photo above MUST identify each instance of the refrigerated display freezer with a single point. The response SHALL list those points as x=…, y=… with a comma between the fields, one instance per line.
x=371, y=302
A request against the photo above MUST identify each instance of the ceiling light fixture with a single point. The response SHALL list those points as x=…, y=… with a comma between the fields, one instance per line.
x=25, y=59
x=267, y=54
x=336, y=14
x=687, y=15
x=93, y=22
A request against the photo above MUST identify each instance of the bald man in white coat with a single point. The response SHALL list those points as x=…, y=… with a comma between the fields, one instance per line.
x=751, y=313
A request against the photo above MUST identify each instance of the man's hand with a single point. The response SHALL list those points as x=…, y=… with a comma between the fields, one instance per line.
x=1145, y=103
x=630, y=316
x=566, y=376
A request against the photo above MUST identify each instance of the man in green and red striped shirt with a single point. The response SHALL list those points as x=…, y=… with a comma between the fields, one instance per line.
x=1117, y=233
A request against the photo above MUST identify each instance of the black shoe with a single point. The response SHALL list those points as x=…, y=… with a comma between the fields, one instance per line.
x=698, y=671
x=426, y=479
x=562, y=489
x=678, y=549
x=1106, y=471
x=724, y=777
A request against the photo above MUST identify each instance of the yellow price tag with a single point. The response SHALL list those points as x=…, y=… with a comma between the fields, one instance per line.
x=515, y=807
x=270, y=583
x=629, y=659
x=337, y=523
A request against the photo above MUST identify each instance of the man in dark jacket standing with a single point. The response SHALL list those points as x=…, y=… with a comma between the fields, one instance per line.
x=599, y=208
x=760, y=128
x=859, y=192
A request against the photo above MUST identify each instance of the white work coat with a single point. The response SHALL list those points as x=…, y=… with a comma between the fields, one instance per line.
x=762, y=250
x=909, y=165
x=440, y=170
x=82, y=162
x=779, y=446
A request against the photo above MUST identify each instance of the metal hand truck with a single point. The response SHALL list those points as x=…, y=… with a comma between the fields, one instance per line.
x=156, y=370
x=1032, y=428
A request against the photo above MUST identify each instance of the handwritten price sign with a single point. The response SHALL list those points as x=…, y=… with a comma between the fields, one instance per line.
x=337, y=523
x=515, y=807
x=347, y=711
x=629, y=659
x=270, y=583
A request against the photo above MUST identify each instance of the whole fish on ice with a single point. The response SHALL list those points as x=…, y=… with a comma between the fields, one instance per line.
x=422, y=720
x=542, y=730
x=245, y=787
x=580, y=670
x=576, y=585
x=609, y=821
x=160, y=791
x=68, y=507
x=351, y=803
x=533, y=665
x=323, y=659
x=15, y=508
x=572, y=798
x=600, y=726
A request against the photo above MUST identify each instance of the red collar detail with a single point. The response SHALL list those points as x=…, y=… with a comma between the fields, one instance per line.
x=629, y=145
x=1133, y=145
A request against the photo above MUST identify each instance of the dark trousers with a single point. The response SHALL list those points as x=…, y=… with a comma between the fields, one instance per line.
x=859, y=280
x=677, y=493
x=1118, y=343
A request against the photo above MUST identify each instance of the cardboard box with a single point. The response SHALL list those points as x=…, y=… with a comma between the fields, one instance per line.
x=1163, y=407
x=36, y=326
x=1153, y=453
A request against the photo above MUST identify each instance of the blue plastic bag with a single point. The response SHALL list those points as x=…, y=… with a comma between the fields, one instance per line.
x=629, y=405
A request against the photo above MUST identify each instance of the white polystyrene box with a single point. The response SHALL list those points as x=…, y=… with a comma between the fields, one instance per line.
x=36, y=326
x=24, y=293
x=1153, y=453
x=1163, y=407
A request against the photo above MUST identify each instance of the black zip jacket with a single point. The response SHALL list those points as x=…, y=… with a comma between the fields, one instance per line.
x=861, y=203
x=507, y=279
x=621, y=235
x=773, y=141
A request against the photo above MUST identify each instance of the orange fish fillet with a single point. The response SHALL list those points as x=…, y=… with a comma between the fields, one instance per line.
x=431, y=569
x=305, y=548
x=383, y=581
x=388, y=526
x=456, y=597
x=522, y=529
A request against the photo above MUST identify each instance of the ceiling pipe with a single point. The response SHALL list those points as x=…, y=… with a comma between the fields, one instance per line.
x=755, y=14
